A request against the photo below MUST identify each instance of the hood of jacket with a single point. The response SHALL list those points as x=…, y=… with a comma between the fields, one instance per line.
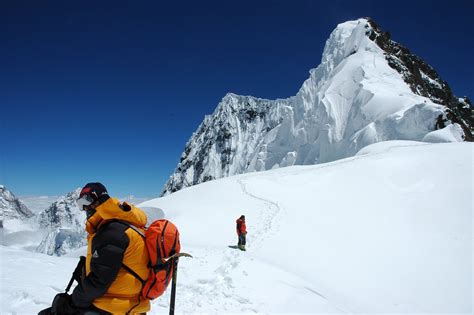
x=113, y=209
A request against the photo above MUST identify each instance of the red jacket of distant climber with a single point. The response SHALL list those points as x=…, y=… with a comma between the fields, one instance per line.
x=241, y=228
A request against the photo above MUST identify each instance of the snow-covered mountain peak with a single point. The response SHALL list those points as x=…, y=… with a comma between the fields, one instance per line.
x=367, y=89
x=11, y=207
x=63, y=212
x=65, y=225
x=232, y=103
x=229, y=97
x=346, y=39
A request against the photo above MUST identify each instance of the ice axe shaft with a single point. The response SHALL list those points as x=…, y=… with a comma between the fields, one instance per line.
x=76, y=275
x=173, y=279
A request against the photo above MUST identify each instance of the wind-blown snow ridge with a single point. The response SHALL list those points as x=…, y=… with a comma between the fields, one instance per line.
x=363, y=92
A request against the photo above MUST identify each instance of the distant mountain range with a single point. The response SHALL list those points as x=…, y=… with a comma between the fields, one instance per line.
x=60, y=228
x=368, y=88
x=61, y=224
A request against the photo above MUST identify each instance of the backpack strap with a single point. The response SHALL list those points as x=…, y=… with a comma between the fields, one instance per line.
x=133, y=273
x=130, y=225
x=130, y=270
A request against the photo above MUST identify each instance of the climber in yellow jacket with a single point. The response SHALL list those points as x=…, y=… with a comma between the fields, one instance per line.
x=106, y=286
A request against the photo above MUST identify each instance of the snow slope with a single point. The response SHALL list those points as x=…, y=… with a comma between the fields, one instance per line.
x=385, y=231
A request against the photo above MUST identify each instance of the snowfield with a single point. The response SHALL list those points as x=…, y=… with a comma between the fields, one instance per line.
x=386, y=231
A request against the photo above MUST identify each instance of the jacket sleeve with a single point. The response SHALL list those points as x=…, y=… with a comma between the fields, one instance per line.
x=108, y=248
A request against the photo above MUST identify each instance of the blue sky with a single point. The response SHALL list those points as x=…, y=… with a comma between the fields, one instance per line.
x=111, y=91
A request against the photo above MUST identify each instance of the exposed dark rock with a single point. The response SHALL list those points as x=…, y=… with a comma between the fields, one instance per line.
x=207, y=178
x=440, y=122
x=424, y=80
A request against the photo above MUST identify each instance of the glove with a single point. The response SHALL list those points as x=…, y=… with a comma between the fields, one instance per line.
x=46, y=311
x=62, y=305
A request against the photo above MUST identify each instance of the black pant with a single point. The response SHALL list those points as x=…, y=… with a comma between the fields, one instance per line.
x=92, y=310
x=242, y=239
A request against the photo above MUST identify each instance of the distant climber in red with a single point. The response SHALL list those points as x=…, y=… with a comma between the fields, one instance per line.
x=241, y=232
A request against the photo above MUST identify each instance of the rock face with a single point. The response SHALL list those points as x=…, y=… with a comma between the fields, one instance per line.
x=65, y=225
x=424, y=80
x=367, y=89
x=63, y=212
x=11, y=207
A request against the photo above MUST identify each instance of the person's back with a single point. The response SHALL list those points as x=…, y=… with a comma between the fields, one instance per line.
x=116, y=255
x=111, y=244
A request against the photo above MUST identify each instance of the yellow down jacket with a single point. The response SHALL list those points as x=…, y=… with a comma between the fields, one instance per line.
x=112, y=244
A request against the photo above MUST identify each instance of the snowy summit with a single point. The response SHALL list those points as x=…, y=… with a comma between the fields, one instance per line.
x=367, y=89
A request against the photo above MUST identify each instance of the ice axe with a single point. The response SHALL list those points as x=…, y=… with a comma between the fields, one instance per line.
x=76, y=275
x=175, y=258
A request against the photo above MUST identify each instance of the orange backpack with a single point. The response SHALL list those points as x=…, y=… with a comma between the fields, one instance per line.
x=162, y=242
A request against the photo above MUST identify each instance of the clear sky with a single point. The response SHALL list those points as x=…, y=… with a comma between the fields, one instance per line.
x=111, y=91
